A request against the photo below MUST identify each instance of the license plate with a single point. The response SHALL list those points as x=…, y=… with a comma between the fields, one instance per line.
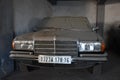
x=54, y=59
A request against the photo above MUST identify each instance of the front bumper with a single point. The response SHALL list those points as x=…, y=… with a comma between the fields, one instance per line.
x=83, y=57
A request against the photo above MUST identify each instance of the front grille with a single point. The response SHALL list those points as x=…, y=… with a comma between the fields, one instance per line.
x=55, y=47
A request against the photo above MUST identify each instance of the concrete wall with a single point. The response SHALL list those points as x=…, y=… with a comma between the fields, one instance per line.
x=88, y=8
x=76, y=8
x=28, y=13
x=112, y=15
x=6, y=37
x=6, y=16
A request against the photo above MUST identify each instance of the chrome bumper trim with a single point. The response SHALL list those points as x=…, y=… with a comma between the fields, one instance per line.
x=21, y=52
x=94, y=55
x=90, y=59
x=81, y=58
x=23, y=57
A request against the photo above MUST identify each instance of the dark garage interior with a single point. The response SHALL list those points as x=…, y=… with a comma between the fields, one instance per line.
x=19, y=17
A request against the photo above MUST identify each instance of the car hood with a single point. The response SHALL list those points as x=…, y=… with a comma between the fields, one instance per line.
x=58, y=34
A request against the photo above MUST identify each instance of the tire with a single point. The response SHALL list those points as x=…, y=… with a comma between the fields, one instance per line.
x=96, y=69
x=23, y=67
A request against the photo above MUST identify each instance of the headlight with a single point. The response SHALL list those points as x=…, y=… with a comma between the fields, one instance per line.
x=23, y=45
x=91, y=47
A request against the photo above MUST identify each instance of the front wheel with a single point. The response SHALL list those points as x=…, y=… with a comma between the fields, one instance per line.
x=22, y=67
x=96, y=69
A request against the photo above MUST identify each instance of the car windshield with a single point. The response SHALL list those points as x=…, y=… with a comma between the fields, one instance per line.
x=54, y=28
x=66, y=23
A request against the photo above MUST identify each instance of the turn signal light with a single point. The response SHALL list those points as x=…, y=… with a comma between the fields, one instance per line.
x=13, y=44
x=103, y=47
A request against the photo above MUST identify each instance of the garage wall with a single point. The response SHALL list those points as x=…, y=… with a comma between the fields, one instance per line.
x=6, y=37
x=6, y=16
x=112, y=14
x=76, y=8
x=28, y=13
x=88, y=8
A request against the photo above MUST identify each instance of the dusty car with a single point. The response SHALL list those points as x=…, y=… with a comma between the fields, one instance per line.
x=60, y=41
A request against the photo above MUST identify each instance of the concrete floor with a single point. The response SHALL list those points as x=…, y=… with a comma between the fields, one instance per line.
x=111, y=71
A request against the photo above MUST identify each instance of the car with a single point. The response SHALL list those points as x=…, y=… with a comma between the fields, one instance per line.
x=64, y=41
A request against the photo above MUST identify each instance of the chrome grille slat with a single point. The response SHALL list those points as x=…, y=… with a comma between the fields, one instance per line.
x=57, y=49
x=61, y=47
x=43, y=42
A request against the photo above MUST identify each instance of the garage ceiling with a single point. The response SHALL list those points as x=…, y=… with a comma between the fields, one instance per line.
x=54, y=2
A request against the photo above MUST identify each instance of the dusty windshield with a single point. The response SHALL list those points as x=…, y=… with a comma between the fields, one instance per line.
x=66, y=23
x=55, y=28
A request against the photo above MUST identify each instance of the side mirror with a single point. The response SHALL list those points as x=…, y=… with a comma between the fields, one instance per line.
x=95, y=29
